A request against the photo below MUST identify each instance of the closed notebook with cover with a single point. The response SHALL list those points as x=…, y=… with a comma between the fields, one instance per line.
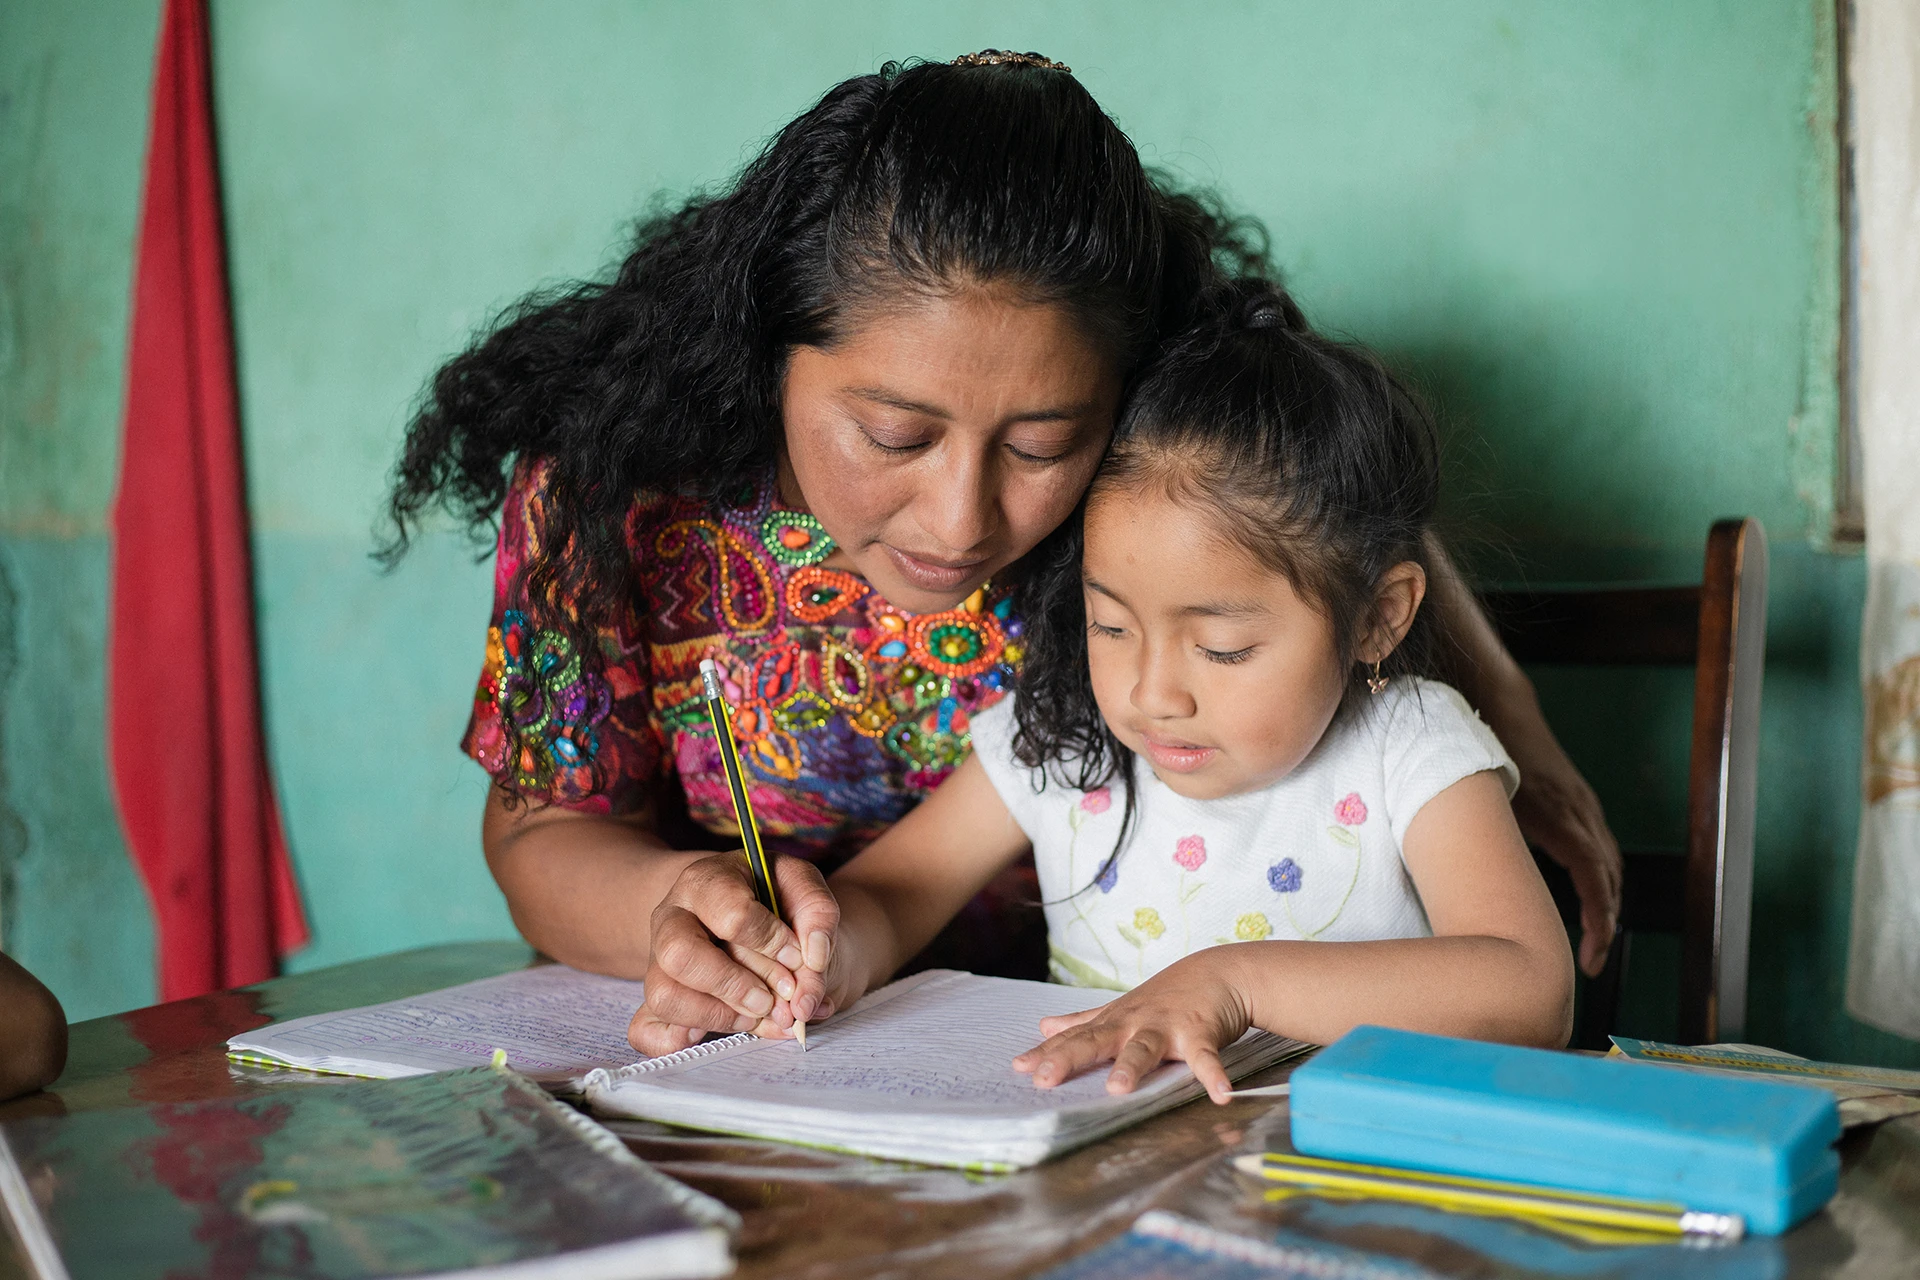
x=473, y=1174
x=1711, y=1143
x=918, y=1070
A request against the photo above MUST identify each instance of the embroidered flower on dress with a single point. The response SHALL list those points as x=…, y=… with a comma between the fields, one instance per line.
x=1109, y=877
x=1351, y=811
x=1284, y=876
x=1098, y=800
x=1190, y=852
x=1252, y=927
x=1147, y=921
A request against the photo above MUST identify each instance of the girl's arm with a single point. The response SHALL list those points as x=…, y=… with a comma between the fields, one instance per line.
x=1556, y=808
x=905, y=886
x=1497, y=968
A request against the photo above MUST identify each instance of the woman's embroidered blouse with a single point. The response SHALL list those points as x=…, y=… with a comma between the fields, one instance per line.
x=847, y=710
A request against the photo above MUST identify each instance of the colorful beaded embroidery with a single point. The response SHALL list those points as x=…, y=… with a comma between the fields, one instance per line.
x=846, y=709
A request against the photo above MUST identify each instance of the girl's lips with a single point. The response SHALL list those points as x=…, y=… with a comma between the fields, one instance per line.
x=1179, y=758
x=932, y=575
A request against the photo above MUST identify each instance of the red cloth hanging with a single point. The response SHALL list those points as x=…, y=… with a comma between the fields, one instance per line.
x=183, y=716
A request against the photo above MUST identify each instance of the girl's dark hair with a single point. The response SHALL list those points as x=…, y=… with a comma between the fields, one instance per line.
x=666, y=378
x=1316, y=460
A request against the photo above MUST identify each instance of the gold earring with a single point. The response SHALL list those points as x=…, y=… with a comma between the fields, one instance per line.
x=1376, y=682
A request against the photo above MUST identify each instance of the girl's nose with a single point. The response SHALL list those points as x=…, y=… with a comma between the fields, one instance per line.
x=1159, y=691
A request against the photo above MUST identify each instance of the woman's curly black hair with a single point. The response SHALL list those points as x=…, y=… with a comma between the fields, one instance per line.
x=1315, y=459
x=666, y=378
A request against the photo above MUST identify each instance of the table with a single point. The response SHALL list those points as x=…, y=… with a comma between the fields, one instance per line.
x=810, y=1214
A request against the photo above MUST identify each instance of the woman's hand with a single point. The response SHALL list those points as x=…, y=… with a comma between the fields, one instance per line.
x=1186, y=1013
x=1557, y=811
x=1560, y=815
x=722, y=962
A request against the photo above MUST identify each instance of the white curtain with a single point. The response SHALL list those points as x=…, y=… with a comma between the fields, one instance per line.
x=1883, y=971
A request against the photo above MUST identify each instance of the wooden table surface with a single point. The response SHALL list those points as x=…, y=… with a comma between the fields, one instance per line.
x=811, y=1214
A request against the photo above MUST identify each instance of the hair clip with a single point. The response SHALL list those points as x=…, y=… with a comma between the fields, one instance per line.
x=1007, y=57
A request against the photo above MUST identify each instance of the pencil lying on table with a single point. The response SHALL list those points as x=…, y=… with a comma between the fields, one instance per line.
x=1484, y=1196
x=757, y=863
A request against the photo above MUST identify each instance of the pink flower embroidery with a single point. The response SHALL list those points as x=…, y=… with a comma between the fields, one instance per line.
x=1351, y=811
x=1190, y=852
x=1098, y=800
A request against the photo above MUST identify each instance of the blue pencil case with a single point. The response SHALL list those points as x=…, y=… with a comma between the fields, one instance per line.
x=1713, y=1143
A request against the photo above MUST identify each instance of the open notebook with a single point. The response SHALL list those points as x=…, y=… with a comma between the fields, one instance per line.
x=555, y=1024
x=918, y=1070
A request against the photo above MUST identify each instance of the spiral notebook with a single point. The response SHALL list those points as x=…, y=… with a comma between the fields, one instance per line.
x=918, y=1070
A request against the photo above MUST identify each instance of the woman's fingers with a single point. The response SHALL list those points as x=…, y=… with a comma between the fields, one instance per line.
x=684, y=951
x=674, y=1017
x=778, y=978
x=1560, y=814
x=719, y=891
x=815, y=914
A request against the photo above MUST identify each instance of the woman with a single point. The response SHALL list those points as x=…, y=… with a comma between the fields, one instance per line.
x=811, y=428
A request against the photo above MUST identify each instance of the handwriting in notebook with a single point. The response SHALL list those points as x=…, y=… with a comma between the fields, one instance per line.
x=943, y=1041
x=550, y=1018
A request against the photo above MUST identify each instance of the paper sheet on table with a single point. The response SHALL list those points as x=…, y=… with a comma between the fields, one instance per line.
x=556, y=1024
x=919, y=1070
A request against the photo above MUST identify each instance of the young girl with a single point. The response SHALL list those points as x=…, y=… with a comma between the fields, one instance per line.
x=1246, y=804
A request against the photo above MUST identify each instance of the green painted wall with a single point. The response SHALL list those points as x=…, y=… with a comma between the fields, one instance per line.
x=1604, y=237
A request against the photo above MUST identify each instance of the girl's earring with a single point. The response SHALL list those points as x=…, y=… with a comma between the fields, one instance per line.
x=1376, y=682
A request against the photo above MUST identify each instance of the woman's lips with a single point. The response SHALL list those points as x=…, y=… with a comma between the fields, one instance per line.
x=1179, y=757
x=933, y=575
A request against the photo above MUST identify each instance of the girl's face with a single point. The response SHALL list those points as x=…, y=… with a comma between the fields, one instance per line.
x=1206, y=664
x=940, y=441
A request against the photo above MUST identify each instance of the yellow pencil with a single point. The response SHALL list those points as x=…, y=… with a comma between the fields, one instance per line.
x=1484, y=1196
x=757, y=864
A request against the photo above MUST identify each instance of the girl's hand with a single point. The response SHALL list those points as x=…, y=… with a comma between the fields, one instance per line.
x=1186, y=1013
x=722, y=962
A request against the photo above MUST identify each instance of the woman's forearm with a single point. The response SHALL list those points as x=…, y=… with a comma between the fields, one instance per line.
x=582, y=887
x=1484, y=988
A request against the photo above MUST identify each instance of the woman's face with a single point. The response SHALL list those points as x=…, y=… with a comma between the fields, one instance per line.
x=938, y=442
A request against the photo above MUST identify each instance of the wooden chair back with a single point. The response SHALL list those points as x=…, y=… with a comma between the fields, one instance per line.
x=1705, y=892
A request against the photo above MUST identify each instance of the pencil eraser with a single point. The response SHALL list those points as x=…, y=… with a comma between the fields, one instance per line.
x=707, y=667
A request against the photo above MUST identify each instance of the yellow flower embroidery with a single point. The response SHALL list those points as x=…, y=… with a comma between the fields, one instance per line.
x=1147, y=921
x=1252, y=927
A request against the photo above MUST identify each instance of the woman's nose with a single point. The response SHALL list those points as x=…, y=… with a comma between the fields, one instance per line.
x=1159, y=692
x=961, y=505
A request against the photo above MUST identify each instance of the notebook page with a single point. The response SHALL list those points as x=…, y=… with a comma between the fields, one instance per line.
x=943, y=1045
x=555, y=1023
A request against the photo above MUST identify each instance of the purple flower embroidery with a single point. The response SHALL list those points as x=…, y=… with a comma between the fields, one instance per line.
x=1098, y=800
x=1284, y=876
x=1351, y=811
x=1109, y=877
x=1190, y=852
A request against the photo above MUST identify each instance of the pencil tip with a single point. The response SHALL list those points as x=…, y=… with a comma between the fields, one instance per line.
x=800, y=1034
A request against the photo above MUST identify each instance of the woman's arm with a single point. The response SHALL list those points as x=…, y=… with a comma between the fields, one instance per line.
x=33, y=1032
x=1557, y=810
x=607, y=895
x=1497, y=967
